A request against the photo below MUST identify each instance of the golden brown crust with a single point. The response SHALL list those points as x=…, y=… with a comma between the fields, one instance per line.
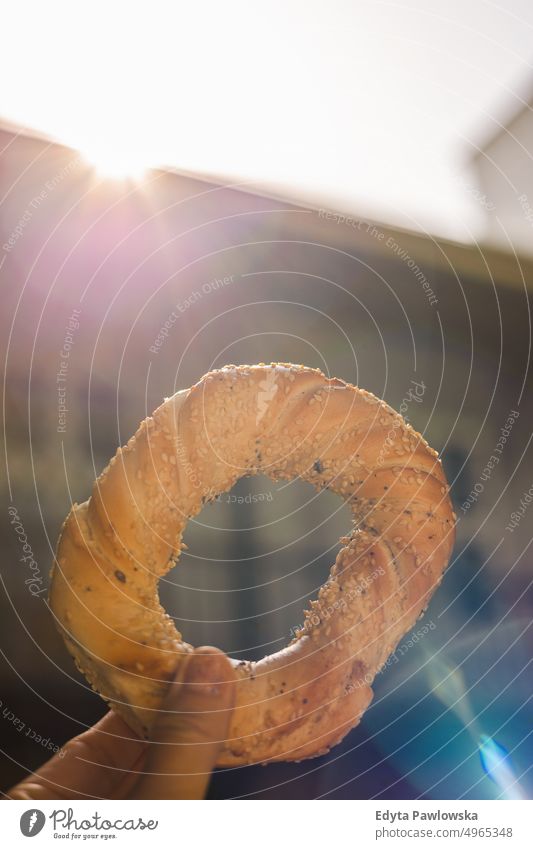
x=285, y=421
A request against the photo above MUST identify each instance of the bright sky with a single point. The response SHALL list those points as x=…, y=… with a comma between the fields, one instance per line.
x=366, y=107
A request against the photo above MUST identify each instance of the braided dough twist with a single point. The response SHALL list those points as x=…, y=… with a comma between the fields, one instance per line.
x=285, y=421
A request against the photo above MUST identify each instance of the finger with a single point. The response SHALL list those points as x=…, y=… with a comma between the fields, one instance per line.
x=93, y=764
x=124, y=788
x=190, y=730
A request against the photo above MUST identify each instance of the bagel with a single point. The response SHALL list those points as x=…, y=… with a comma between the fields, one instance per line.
x=285, y=421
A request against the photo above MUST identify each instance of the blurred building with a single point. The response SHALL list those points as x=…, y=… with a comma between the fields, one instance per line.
x=503, y=163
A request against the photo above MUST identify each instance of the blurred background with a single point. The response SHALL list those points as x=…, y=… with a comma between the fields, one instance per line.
x=346, y=186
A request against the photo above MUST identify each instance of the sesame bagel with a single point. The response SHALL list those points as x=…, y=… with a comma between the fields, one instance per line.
x=284, y=421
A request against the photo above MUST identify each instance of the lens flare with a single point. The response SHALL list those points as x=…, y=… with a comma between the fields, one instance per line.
x=115, y=161
x=449, y=686
x=496, y=762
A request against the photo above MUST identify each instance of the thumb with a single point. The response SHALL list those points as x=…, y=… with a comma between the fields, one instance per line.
x=190, y=730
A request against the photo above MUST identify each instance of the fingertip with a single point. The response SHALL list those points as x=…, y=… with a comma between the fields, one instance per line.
x=205, y=681
x=209, y=665
x=208, y=650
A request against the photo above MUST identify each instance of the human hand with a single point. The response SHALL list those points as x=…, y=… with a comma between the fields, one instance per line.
x=110, y=762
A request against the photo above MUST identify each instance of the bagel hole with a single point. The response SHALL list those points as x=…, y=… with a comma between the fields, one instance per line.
x=256, y=556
